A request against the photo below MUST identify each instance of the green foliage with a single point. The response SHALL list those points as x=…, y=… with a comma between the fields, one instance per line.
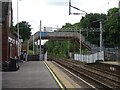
x=92, y=21
x=112, y=30
x=111, y=35
x=24, y=29
x=62, y=48
x=77, y=25
x=30, y=52
x=25, y=45
x=59, y=48
x=111, y=24
x=35, y=48
x=67, y=25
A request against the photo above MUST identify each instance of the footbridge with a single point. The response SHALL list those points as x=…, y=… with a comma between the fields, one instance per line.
x=61, y=35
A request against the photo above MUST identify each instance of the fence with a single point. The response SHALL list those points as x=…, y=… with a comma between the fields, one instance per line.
x=112, y=54
x=34, y=57
x=45, y=56
x=90, y=58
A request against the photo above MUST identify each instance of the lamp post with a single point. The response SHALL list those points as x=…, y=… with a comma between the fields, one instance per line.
x=40, y=41
x=18, y=27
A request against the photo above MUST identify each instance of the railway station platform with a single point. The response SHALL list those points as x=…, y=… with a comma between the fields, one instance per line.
x=32, y=74
x=112, y=63
x=37, y=75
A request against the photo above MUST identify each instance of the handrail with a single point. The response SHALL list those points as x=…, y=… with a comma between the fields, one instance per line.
x=68, y=35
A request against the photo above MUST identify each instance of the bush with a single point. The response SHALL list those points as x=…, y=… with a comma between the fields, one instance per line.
x=30, y=52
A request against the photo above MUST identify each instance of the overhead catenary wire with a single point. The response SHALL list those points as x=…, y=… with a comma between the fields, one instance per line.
x=100, y=8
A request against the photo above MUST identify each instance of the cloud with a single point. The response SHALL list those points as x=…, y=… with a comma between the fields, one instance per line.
x=5, y=0
x=55, y=12
x=57, y=2
x=61, y=2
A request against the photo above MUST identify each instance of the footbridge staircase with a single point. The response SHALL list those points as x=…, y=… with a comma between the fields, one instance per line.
x=64, y=35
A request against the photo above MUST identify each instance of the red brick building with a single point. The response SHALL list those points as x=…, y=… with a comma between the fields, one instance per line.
x=8, y=37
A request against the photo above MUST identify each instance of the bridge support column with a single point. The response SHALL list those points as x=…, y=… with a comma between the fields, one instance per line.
x=40, y=42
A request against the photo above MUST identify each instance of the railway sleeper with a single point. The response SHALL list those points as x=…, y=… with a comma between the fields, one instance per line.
x=90, y=75
x=104, y=75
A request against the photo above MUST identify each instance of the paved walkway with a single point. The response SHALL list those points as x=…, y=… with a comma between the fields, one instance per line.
x=32, y=74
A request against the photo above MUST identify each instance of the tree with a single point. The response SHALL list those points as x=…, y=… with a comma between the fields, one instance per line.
x=111, y=34
x=112, y=30
x=67, y=25
x=92, y=21
x=24, y=29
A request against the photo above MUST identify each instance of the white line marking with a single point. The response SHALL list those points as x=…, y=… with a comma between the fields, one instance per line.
x=59, y=83
x=78, y=77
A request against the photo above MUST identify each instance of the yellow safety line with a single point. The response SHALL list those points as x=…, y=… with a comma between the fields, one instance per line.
x=61, y=86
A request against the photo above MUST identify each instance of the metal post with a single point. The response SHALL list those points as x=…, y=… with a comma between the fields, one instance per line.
x=80, y=41
x=68, y=48
x=18, y=28
x=118, y=19
x=69, y=7
x=80, y=44
x=76, y=9
x=100, y=36
x=27, y=49
x=37, y=47
x=40, y=42
x=33, y=45
x=119, y=7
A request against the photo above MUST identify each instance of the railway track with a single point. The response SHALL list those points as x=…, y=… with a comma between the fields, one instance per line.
x=101, y=79
x=94, y=68
x=110, y=74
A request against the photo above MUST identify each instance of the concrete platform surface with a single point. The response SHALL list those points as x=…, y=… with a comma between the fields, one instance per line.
x=32, y=74
x=66, y=81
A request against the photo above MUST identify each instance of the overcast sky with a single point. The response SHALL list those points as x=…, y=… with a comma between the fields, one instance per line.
x=56, y=12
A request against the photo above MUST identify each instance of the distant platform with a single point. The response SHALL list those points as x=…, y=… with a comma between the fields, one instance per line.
x=112, y=63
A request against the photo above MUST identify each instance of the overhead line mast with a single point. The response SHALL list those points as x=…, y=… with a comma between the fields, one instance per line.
x=76, y=14
x=76, y=9
x=119, y=7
